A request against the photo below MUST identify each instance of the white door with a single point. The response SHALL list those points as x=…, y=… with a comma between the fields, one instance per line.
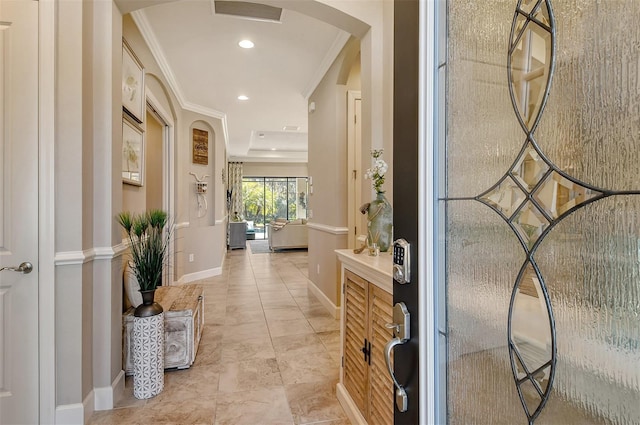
x=356, y=222
x=18, y=211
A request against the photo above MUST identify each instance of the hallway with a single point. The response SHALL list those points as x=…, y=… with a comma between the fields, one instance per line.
x=269, y=353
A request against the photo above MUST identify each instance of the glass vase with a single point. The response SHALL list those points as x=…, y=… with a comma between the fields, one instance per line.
x=380, y=222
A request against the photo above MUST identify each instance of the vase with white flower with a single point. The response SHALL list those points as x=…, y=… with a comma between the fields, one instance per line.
x=379, y=211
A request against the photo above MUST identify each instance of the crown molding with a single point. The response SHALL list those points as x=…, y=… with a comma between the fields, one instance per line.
x=329, y=58
x=149, y=36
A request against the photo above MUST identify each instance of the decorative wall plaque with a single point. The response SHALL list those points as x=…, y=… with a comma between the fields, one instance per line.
x=200, y=147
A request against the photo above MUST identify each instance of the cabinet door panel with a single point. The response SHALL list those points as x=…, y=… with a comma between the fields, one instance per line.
x=380, y=391
x=355, y=371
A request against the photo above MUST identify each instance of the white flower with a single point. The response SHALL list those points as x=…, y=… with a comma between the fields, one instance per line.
x=377, y=172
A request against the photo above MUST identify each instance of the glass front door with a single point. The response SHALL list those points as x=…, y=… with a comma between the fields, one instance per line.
x=540, y=212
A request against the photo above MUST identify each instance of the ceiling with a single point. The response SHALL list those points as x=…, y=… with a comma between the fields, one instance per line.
x=198, y=51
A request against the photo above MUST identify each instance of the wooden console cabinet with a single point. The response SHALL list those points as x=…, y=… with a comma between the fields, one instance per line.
x=365, y=389
x=183, y=322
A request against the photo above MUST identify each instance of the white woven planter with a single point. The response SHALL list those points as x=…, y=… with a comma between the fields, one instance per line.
x=148, y=356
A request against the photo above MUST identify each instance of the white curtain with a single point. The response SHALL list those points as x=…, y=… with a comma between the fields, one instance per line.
x=234, y=189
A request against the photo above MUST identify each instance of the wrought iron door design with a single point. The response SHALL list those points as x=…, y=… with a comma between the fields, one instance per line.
x=532, y=197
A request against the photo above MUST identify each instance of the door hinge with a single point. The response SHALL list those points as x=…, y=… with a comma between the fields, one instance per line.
x=355, y=174
x=342, y=361
x=343, y=285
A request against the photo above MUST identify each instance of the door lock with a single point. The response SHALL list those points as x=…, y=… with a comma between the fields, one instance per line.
x=401, y=264
x=401, y=335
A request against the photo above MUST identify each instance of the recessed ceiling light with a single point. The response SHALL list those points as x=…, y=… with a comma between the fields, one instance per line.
x=246, y=44
x=273, y=149
x=243, y=97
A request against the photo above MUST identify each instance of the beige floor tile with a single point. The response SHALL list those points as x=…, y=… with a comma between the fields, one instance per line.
x=289, y=327
x=181, y=385
x=209, y=355
x=128, y=415
x=310, y=368
x=315, y=309
x=279, y=303
x=266, y=406
x=300, y=345
x=196, y=410
x=249, y=375
x=282, y=294
x=314, y=402
x=288, y=313
x=242, y=290
x=307, y=302
x=261, y=348
x=211, y=334
x=248, y=303
x=272, y=287
x=331, y=340
x=324, y=323
x=242, y=317
x=273, y=279
x=245, y=331
x=251, y=347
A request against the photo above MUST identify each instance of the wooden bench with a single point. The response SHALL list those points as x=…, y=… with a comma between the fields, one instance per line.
x=183, y=307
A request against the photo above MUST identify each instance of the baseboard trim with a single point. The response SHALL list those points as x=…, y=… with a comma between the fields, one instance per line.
x=192, y=277
x=105, y=397
x=76, y=413
x=324, y=300
x=349, y=406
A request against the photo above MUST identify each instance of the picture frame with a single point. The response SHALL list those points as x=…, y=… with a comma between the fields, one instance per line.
x=133, y=98
x=133, y=153
x=200, y=147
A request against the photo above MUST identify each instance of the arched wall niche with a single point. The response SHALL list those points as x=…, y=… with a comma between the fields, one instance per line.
x=199, y=216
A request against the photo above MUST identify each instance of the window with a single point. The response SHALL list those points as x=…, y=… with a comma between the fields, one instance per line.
x=268, y=198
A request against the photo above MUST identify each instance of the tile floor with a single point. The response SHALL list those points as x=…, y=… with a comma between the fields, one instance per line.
x=269, y=354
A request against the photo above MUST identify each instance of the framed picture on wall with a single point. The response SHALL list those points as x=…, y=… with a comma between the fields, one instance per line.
x=200, y=147
x=133, y=98
x=132, y=153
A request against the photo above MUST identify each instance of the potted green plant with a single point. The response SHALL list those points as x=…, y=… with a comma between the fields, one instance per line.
x=148, y=242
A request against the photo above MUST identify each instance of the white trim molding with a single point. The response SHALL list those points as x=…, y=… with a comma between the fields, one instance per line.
x=328, y=229
x=70, y=258
x=192, y=277
x=326, y=302
x=76, y=413
x=219, y=222
x=182, y=225
x=327, y=61
x=105, y=397
x=47, y=11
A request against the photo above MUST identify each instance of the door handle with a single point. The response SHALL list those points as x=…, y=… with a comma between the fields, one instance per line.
x=24, y=268
x=400, y=336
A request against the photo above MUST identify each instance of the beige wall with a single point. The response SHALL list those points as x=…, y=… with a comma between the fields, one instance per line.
x=205, y=236
x=153, y=167
x=328, y=151
x=275, y=169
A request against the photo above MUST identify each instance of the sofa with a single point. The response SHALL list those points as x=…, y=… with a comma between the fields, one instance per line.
x=285, y=234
